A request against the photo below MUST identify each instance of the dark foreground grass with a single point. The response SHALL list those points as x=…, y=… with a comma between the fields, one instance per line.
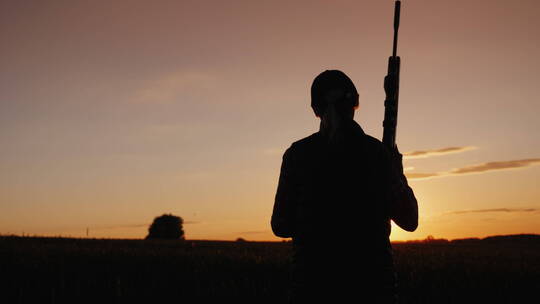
x=60, y=270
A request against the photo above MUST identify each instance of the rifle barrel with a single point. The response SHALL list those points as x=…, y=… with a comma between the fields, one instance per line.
x=397, y=11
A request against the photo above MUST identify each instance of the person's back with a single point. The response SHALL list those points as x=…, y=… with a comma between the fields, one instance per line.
x=336, y=196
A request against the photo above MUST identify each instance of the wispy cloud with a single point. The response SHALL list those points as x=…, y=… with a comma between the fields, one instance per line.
x=437, y=152
x=506, y=210
x=479, y=168
x=254, y=232
x=420, y=175
x=169, y=87
x=119, y=226
x=133, y=226
x=497, y=165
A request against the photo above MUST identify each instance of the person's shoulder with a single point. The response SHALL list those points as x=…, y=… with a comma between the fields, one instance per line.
x=373, y=142
x=303, y=145
x=375, y=147
x=306, y=141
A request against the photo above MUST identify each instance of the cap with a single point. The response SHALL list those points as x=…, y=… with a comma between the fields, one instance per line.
x=332, y=81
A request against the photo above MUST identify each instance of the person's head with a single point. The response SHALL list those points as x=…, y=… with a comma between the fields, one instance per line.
x=332, y=88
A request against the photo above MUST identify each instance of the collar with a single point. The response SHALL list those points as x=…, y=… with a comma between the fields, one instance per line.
x=356, y=128
x=351, y=130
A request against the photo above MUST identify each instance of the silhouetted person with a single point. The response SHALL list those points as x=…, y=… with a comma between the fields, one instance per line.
x=338, y=190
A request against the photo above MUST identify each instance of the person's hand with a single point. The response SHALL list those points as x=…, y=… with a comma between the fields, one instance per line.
x=397, y=160
x=399, y=181
x=390, y=85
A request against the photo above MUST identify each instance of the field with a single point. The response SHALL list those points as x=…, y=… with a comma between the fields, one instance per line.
x=63, y=270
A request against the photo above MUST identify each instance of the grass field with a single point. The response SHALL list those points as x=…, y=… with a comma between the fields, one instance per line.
x=63, y=270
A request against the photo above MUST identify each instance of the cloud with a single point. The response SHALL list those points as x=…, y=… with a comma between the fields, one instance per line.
x=498, y=165
x=479, y=168
x=418, y=175
x=119, y=226
x=506, y=210
x=436, y=152
x=168, y=88
x=254, y=232
x=133, y=226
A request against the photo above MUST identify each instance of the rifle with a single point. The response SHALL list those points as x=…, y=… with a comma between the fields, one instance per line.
x=392, y=97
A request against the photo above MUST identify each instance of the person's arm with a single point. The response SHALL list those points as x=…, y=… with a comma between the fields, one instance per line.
x=283, y=214
x=403, y=205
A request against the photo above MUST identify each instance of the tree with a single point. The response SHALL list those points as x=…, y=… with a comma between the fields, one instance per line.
x=167, y=226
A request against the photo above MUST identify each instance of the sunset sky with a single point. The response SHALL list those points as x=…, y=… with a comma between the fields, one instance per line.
x=114, y=112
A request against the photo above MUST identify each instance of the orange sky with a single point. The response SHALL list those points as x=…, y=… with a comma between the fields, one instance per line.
x=115, y=112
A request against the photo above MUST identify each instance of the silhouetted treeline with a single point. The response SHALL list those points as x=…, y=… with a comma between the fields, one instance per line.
x=58, y=270
x=525, y=238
